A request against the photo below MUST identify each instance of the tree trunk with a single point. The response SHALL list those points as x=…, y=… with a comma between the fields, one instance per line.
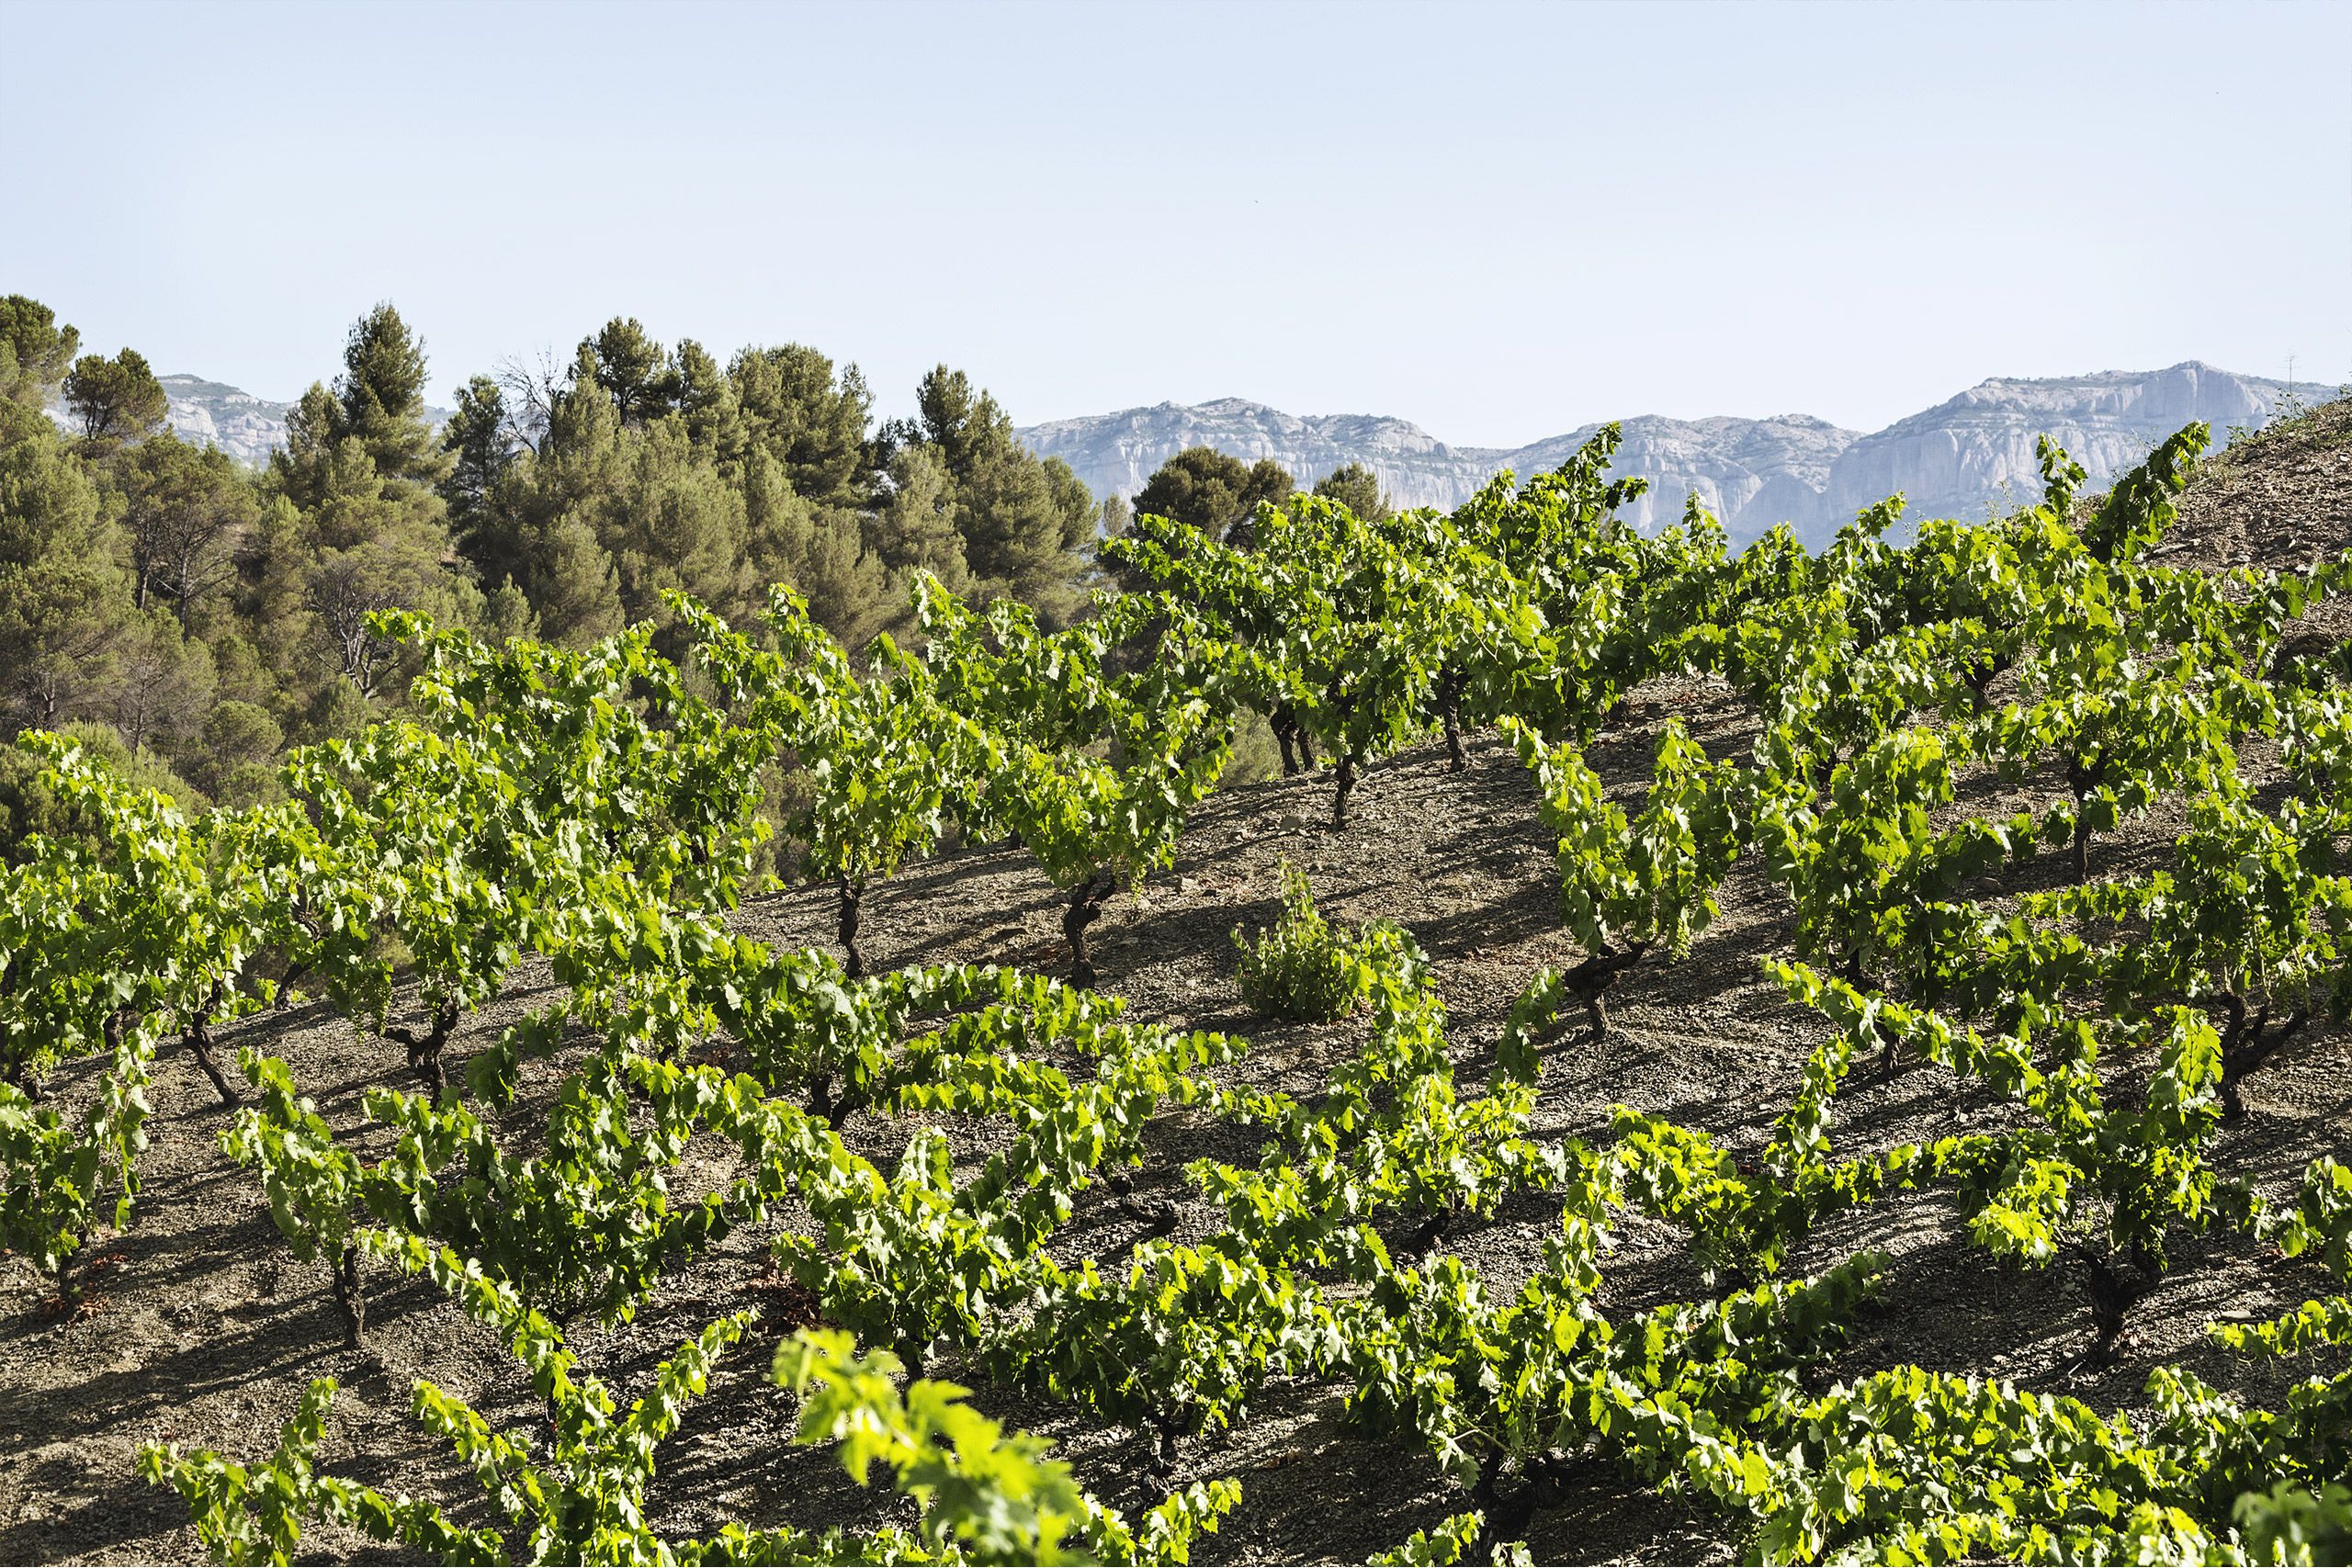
x=424, y=1051
x=2082, y=779
x=2245, y=1048
x=199, y=1036
x=348, y=1297
x=2115, y=1288
x=23, y=1083
x=1346, y=782
x=852, y=894
x=1085, y=909
x=1591, y=978
x=1307, y=763
x=1449, y=711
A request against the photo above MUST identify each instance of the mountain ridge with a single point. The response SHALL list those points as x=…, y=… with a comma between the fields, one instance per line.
x=1970, y=456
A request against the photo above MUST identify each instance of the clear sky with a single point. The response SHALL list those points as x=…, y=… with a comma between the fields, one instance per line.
x=1499, y=221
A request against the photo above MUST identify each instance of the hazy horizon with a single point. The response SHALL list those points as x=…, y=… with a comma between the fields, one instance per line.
x=1498, y=222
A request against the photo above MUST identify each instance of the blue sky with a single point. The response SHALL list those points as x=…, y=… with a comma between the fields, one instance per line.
x=1499, y=221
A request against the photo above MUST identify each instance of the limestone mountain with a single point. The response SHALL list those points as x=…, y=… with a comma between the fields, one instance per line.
x=1965, y=458
x=211, y=413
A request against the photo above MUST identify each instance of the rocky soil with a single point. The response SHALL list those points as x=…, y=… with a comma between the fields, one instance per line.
x=203, y=1329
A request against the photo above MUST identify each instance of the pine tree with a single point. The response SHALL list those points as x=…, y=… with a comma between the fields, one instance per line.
x=810, y=420
x=574, y=588
x=34, y=350
x=62, y=622
x=1355, y=487
x=63, y=604
x=676, y=522
x=707, y=399
x=1020, y=519
x=820, y=551
x=381, y=396
x=1213, y=491
x=915, y=528
x=162, y=690
x=479, y=441
x=633, y=369
x=115, y=400
x=185, y=511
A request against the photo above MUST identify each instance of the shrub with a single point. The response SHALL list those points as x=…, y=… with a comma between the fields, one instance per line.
x=1304, y=969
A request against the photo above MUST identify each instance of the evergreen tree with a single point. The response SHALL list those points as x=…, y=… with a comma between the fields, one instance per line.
x=34, y=350
x=234, y=763
x=708, y=401
x=1212, y=491
x=479, y=441
x=301, y=469
x=810, y=420
x=62, y=623
x=820, y=551
x=1020, y=519
x=63, y=604
x=360, y=470
x=381, y=398
x=1353, y=486
x=539, y=526
x=115, y=400
x=347, y=585
x=675, y=522
x=185, y=511
x=574, y=590
x=47, y=501
x=632, y=368
x=162, y=690
x=915, y=528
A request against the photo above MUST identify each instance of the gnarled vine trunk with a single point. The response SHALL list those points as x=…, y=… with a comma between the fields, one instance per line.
x=348, y=1297
x=2247, y=1041
x=1085, y=909
x=2082, y=779
x=424, y=1049
x=853, y=896
x=1344, y=784
x=198, y=1037
x=1591, y=978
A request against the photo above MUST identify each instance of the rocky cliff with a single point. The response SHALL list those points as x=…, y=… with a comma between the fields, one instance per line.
x=212, y=413
x=1964, y=457
x=1975, y=453
x=208, y=413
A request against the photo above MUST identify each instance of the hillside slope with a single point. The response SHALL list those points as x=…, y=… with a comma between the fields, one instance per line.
x=206, y=1328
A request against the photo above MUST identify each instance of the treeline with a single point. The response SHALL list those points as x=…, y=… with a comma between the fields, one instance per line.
x=190, y=617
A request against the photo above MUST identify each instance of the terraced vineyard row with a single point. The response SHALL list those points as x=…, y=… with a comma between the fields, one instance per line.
x=603, y=811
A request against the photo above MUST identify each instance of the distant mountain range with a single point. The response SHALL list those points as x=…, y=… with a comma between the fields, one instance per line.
x=213, y=413
x=209, y=413
x=1965, y=458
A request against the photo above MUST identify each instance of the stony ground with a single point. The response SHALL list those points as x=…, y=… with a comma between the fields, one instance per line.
x=204, y=1329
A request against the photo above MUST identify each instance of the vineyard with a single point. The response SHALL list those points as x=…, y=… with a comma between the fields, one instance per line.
x=1704, y=1054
